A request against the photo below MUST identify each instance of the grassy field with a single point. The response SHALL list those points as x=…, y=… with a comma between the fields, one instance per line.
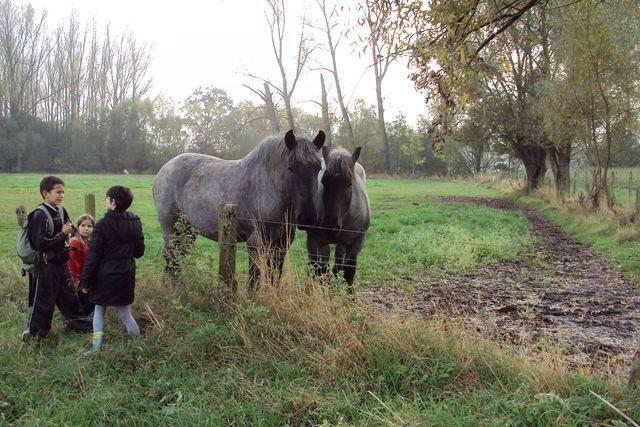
x=408, y=234
x=298, y=354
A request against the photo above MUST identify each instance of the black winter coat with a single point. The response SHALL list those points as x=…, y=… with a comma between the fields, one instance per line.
x=50, y=241
x=109, y=271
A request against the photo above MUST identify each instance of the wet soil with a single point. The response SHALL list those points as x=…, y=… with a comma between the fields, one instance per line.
x=560, y=293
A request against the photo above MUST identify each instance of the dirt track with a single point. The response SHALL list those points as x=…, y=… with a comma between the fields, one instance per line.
x=562, y=292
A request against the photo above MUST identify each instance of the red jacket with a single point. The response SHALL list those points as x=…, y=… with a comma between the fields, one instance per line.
x=78, y=253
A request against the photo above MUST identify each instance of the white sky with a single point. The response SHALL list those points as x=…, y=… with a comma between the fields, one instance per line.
x=202, y=43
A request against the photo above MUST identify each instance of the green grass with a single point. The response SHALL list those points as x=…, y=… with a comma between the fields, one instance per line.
x=409, y=234
x=300, y=354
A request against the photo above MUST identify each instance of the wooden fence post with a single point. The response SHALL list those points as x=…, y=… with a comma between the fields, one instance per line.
x=637, y=217
x=575, y=181
x=228, y=241
x=90, y=204
x=630, y=183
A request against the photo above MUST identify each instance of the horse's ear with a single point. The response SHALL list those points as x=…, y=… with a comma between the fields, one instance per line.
x=290, y=139
x=325, y=153
x=318, y=141
x=356, y=155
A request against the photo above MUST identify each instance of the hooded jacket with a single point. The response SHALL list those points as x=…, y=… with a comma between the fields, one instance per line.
x=109, y=271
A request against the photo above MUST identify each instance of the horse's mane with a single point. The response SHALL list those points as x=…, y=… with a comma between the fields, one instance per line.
x=339, y=163
x=272, y=151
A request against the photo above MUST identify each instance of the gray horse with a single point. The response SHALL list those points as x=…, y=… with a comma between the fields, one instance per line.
x=274, y=184
x=343, y=214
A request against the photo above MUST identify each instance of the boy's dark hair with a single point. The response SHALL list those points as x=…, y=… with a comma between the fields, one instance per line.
x=48, y=182
x=122, y=196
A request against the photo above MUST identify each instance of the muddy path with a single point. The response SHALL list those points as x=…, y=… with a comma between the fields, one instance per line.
x=561, y=292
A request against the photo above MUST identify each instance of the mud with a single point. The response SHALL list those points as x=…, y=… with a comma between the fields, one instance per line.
x=561, y=293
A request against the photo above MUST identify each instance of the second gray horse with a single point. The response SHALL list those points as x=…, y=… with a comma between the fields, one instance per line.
x=343, y=214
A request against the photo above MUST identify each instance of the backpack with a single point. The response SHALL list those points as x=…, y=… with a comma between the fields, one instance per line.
x=26, y=252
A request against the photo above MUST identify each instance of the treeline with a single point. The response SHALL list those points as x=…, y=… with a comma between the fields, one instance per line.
x=533, y=85
x=75, y=96
x=70, y=96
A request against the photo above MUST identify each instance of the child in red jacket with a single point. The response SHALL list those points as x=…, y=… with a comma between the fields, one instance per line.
x=78, y=248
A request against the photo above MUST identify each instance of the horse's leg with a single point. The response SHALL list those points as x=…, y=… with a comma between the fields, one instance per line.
x=167, y=222
x=339, y=262
x=254, y=269
x=350, y=260
x=279, y=251
x=318, y=256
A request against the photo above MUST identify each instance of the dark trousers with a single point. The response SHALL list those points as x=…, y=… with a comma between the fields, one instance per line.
x=86, y=305
x=32, y=289
x=52, y=287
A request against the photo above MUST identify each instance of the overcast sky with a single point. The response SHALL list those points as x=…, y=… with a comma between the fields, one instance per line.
x=212, y=43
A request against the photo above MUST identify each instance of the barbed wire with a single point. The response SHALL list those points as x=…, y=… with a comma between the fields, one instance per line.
x=303, y=252
x=293, y=224
x=346, y=230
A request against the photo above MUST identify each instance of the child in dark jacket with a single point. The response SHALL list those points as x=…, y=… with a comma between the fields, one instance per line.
x=109, y=271
x=52, y=284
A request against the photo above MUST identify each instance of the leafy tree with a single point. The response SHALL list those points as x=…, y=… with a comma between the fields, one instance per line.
x=594, y=99
x=209, y=122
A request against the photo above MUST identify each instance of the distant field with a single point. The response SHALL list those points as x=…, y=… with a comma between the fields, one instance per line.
x=625, y=178
x=408, y=234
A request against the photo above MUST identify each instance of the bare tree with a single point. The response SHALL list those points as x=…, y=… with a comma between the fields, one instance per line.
x=24, y=49
x=276, y=19
x=270, y=109
x=326, y=120
x=330, y=24
x=378, y=17
x=23, y=52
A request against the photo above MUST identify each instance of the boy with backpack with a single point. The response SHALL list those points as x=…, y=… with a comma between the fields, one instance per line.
x=48, y=228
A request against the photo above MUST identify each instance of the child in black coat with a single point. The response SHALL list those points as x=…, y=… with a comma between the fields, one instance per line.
x=51, y=285
x=109, y=271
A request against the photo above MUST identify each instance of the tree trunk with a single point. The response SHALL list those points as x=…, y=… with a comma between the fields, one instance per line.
x=271, y=110
x=534, y=161
x=287, y=106
x=345, y=113
x=477, y=162
x=560, y=159
x=326, y=121
x=334, y=70
x=382, y=131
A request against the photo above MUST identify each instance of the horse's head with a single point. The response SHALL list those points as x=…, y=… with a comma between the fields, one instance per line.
x=336, y=181
x=304, y=161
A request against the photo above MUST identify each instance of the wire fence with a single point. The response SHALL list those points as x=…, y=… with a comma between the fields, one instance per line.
x=381, y=259
x=301, y=252
x=622, y=182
